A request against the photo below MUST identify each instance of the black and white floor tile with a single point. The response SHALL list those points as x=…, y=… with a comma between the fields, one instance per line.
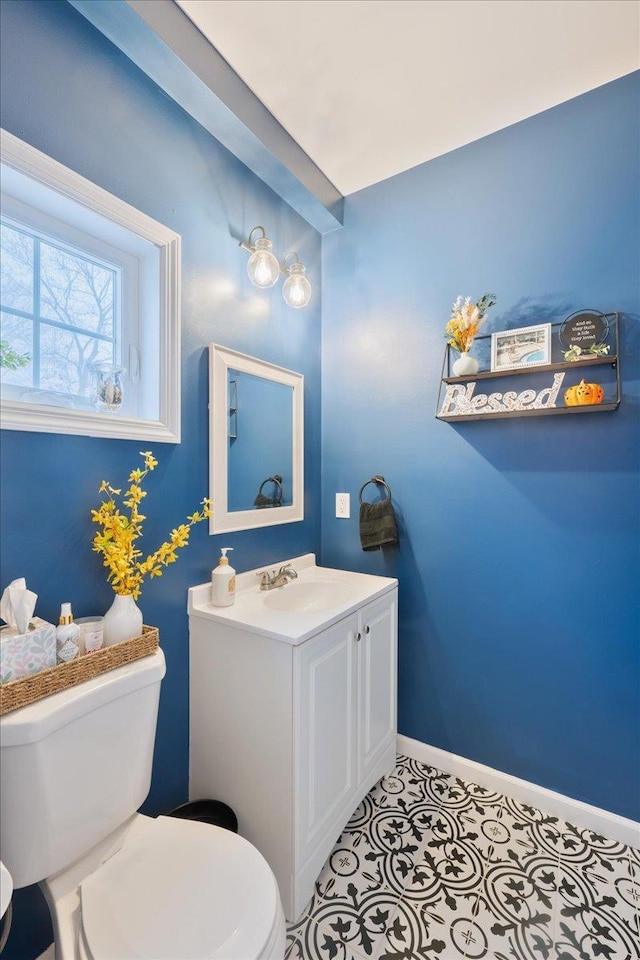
x=431, y=866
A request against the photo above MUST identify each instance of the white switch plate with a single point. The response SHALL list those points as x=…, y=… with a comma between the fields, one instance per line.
x=343, y=505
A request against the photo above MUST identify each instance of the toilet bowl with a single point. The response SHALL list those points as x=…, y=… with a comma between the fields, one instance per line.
x=167, y=889
x=76, y=767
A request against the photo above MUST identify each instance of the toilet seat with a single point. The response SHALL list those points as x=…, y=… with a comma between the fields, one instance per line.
x=180, y=889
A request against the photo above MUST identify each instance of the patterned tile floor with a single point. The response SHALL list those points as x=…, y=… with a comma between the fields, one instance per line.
x=431, y=866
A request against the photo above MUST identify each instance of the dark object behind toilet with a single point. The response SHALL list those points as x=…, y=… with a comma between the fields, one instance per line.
x=208, y=811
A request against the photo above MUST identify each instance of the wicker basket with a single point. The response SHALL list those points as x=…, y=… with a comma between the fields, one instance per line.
x=18, y=693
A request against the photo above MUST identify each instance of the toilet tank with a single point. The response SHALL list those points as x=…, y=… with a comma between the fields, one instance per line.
x=75, y=766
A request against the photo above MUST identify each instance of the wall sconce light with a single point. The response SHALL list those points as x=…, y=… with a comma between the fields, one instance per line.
x=296, y=289
x=264, y=269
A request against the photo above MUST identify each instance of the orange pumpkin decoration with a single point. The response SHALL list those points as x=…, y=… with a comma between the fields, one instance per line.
x=583, y=393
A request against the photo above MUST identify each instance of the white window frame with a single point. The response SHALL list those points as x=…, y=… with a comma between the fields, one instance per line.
x=25, y=159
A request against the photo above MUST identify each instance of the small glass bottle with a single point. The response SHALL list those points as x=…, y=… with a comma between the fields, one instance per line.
x=108, y=389
x=67, y=636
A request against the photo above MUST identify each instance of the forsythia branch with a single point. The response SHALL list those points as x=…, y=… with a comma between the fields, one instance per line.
x=116, y=541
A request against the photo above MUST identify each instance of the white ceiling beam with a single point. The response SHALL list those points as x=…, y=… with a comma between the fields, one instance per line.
x=160, y=39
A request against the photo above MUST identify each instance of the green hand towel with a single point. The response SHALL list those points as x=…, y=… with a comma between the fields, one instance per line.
x=378, y=527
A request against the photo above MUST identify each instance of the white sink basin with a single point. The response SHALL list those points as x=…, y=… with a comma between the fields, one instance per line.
x=309, y=595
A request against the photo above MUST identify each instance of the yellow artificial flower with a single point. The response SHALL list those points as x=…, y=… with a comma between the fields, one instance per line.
x=116, y=541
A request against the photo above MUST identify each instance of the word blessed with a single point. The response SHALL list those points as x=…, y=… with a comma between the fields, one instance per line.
x=459, y=400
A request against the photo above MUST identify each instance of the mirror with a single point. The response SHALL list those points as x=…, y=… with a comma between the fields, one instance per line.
x=260, y=451
x=256, y=446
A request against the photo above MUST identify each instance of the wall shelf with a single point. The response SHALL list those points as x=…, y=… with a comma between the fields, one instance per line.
x=612, y=392
x=546, y=368
x=508, y=414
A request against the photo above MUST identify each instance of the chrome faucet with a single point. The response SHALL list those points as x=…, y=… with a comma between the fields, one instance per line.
x=269, y=581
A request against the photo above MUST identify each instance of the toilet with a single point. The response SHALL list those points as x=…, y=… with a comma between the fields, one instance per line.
x=76, y=766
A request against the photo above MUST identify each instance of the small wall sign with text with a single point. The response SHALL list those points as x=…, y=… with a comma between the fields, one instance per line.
x=459, y=399
x=584, y=329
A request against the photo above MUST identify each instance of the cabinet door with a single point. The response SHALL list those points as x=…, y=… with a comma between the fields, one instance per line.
x=325, y=734
x=378, y=682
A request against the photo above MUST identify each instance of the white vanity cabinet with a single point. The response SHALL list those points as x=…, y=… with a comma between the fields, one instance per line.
x=345, y=713
x=294, y=733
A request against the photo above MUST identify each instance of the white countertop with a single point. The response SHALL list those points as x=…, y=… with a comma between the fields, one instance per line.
x=249, y=611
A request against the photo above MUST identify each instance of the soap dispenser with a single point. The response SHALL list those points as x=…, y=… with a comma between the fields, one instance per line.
x=67, y=636
x=223, y=582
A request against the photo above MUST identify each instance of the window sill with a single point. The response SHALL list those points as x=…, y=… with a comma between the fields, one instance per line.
x=43, y=419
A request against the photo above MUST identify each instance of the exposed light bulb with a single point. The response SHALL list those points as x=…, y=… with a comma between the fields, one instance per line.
x=296, y=289
x=263, y=268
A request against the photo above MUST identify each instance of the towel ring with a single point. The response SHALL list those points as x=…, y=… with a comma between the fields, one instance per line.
x=278, y=482
x=379, y=480
x=261, y=501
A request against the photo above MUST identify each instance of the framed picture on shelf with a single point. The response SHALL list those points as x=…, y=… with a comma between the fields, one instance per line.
x=524, y=347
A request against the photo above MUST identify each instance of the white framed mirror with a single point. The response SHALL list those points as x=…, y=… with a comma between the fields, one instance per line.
x=256, y=442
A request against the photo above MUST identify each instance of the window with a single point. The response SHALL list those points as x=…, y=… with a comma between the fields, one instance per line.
x=61, y=315
x=88, y=296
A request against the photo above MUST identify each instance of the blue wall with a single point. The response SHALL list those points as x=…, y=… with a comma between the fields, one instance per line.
x=73, y=95
x=519, y=554
x=518, y=563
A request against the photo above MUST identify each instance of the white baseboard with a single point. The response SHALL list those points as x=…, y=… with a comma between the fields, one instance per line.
x=576, y=812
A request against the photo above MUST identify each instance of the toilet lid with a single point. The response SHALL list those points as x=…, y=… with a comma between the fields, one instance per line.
x=180, y=889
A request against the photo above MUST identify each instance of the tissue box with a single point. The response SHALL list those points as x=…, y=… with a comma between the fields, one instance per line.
x=22, y=654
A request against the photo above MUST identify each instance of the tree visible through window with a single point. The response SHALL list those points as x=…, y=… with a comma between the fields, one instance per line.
x=60, y=313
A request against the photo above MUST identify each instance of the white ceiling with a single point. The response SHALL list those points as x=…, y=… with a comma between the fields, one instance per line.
x=369, y=88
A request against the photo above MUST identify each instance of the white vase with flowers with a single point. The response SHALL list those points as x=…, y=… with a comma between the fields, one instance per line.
x=465, y=322
x=116, y=541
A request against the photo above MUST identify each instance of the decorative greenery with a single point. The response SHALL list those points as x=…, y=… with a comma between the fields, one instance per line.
x=117, y=539
x=595, y=350
x=11, y=360
x=466, y=320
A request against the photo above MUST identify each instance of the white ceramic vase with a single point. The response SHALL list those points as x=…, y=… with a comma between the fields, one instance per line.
x=465, y=366
x=122, y=621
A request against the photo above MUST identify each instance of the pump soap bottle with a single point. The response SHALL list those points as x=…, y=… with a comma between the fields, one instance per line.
x=223, y=582
x=67, y=636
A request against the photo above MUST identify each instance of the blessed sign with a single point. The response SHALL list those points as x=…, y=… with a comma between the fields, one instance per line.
x=459, y=399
